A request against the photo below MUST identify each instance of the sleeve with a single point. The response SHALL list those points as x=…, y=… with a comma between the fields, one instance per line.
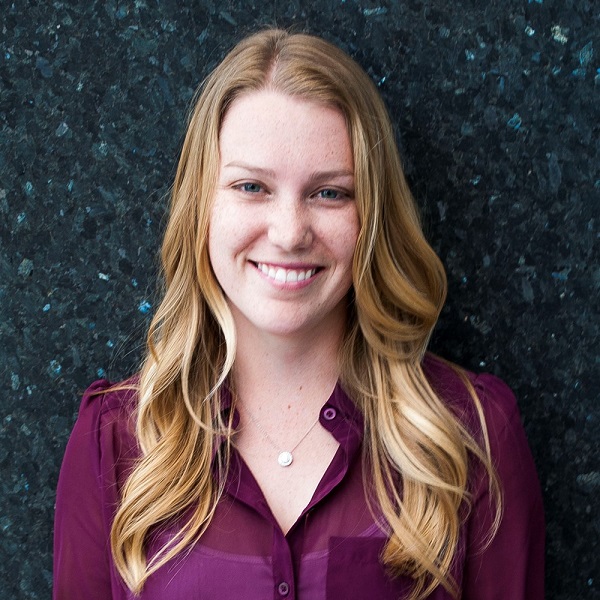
x=82, y=561
x=512, y=565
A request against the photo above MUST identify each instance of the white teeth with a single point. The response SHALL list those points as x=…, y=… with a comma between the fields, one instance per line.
x=285, y=275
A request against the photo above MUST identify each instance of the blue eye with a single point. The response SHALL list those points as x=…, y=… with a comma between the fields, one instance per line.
x=329, y=194
x=251, y=188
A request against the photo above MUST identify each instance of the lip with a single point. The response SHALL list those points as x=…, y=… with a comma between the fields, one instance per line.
x=287, y=275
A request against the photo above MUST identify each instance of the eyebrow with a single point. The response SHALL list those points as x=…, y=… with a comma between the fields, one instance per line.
x=315, y=176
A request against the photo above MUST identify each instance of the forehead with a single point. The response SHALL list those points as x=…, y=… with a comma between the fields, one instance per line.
x=271, y=125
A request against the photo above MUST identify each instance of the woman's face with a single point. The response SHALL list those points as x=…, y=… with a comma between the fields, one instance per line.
x=284, y=222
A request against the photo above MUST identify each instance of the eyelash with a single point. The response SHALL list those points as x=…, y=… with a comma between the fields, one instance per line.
x=339, y=195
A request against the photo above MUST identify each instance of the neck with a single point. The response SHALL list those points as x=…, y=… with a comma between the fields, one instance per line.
x=301, y=369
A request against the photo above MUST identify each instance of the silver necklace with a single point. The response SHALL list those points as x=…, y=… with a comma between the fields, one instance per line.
x=284, y=457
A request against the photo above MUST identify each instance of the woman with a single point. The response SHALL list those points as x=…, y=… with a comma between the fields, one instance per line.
x=288, y=436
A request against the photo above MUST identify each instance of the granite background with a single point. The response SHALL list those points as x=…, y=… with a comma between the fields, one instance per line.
x=496, y=105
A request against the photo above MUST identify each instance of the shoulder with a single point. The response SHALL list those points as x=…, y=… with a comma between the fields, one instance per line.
x=506, y=436
x=497, y=400
x=106, y=418
x=105, y=398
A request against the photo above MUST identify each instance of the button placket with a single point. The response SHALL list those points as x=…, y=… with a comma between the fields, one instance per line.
x=283, y=568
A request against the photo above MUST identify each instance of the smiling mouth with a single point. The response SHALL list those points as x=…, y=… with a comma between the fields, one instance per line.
x=285, y=275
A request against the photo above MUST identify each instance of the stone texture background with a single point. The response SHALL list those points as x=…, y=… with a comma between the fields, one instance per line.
x=496, y=106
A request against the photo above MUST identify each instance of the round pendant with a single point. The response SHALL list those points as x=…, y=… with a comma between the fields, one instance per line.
x=285, y=458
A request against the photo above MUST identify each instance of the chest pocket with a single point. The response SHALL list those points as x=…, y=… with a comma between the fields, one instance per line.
x=354, y=571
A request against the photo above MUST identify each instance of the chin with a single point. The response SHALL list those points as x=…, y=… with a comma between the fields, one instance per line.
x=277, y=327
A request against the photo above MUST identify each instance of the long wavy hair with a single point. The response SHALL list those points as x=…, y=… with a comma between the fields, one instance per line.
x=418, y=452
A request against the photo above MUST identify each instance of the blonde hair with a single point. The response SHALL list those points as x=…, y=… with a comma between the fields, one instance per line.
x=399, y=287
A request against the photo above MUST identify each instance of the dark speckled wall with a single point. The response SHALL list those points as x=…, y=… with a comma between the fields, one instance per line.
x=496, y=105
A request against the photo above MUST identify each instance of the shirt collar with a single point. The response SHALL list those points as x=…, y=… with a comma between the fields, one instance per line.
x=339, y=415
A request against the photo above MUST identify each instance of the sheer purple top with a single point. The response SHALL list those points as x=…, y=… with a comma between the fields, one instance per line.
x=333, y=549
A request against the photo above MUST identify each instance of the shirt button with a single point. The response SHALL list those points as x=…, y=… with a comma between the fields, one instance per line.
x=283, y=588
x=329, y=413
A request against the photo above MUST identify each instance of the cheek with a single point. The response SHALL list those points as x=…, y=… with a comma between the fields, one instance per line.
x=219, y=253
x=213, y=239
x=221, y=228
x=229, y=234
x=218, y=236
x=349, y=238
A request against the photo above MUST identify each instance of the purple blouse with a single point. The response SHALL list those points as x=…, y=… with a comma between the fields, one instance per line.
x=333, y=549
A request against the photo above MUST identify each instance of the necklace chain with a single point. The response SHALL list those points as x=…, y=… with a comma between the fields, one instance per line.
x=285, y=457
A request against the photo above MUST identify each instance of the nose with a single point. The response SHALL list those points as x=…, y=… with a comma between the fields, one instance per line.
x=290, y=225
